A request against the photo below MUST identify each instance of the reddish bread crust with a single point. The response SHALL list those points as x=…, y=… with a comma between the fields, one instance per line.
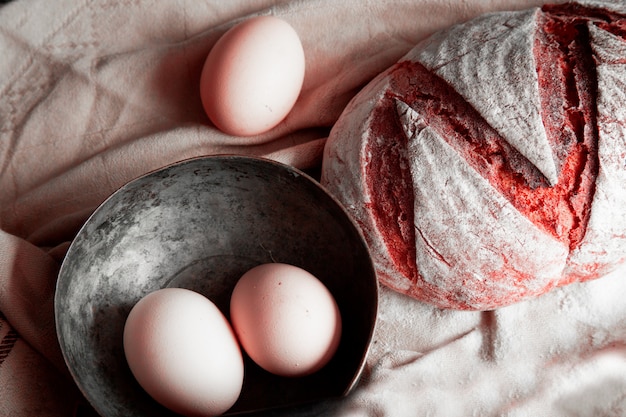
x=395, y=182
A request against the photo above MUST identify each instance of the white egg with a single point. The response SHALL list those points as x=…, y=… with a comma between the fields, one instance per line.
x=286, y=319
x=183, y=352
x=252, y=76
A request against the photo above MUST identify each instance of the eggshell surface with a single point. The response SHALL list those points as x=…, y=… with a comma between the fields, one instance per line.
x=252, y=76
x=286, y=319
x=183, y=352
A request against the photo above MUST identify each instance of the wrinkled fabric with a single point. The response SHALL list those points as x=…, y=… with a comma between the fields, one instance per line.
x=96, y=93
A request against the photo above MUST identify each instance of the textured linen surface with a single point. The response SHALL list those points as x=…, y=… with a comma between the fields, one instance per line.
x=96, y=93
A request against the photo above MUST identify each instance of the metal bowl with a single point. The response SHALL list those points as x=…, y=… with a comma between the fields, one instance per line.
x=200, y=224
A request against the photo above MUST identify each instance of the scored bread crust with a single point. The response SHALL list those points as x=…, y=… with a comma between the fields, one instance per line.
x=489, y=164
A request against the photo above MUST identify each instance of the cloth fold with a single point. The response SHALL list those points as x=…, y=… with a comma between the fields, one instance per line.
x=96, y=93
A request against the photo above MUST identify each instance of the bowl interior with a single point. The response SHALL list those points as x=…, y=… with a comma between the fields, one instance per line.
x=200, y=224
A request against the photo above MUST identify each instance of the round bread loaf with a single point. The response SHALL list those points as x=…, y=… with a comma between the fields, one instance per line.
x=488, y=165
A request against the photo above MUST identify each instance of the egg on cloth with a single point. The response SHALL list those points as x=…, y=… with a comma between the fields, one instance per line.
x=252, y=76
